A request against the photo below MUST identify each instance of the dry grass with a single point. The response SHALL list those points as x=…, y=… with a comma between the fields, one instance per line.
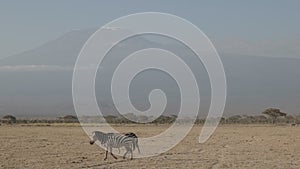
x=231, y=146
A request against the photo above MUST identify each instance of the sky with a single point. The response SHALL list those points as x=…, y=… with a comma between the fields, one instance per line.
x=262, y=28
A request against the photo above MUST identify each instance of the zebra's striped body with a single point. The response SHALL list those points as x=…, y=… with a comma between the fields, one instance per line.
x=135, y=139
x=115, y=140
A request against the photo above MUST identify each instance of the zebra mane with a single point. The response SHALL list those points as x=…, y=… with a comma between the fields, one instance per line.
x=98, y=133
x=100, y=136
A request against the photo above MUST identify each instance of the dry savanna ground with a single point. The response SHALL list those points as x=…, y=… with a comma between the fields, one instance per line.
x=231, y=146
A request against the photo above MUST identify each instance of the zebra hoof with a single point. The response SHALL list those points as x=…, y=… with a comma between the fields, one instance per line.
x=105, y=159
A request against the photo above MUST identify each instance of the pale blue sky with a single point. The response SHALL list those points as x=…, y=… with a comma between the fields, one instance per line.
x=255, y=27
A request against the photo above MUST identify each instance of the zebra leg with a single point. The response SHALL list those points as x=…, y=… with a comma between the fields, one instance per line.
x=112, y=153
x=137, y=145
x=106, y=155
x=127, y=150
x=138, y=149
x=131, y=154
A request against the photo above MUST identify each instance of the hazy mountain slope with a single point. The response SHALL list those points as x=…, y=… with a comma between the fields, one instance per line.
x=61, y=51
x=254, y=83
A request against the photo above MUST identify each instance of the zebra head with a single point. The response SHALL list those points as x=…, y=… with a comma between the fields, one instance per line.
x=98, y=135
x=93, y=139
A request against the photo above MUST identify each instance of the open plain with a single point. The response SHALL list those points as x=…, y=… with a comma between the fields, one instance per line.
x=231, y=146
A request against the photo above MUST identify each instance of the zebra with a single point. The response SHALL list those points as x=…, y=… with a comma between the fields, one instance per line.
x=115, y=140
x=135, y=140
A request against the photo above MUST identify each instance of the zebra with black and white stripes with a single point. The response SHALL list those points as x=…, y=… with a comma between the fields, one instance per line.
x=135, y=140
x=116, y=140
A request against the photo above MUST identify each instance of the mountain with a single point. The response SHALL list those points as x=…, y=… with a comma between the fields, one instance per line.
x=61, y=51
x=38, y=82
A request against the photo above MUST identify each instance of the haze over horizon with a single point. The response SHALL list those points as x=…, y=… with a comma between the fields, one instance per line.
x=40, y=85
x=257, y=42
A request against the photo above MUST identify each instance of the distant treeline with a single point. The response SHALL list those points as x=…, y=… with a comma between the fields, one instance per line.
x=9, y=119
x=236, y=119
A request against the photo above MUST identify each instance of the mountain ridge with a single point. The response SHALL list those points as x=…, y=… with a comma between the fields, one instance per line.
x=254, y=82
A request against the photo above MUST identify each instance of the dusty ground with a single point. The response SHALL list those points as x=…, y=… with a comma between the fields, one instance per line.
x=234, y=146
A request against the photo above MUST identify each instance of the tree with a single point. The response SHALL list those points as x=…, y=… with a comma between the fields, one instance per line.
x=111, y=118
x=274, y=113
x=260, y=119
x=69, y=119
x=234, y=119
x=164, y=119
x=290, y=119
x=10, y=119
